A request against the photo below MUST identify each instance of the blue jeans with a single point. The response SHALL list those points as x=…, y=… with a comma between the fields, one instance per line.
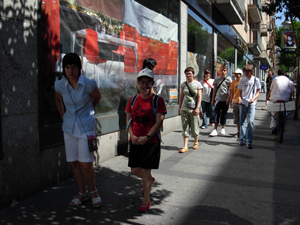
x=208, y=111
x=248, y=134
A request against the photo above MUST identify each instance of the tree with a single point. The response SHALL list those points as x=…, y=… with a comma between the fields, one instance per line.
x=292, y=11
x=228, y=54
x=197, y=39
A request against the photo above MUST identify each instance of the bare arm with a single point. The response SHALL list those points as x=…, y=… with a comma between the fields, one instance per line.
x=59, y=104
x=96, y=95
x=213, y=97
x=180, y=100
x=156, y=127
x=199, y=97
x=132, y=136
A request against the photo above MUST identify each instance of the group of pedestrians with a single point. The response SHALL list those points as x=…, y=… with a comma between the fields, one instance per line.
x=76, y=97
x=214, y=98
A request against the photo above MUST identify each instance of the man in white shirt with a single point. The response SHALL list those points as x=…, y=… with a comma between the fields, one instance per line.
x=249, y=91
x=281, y=89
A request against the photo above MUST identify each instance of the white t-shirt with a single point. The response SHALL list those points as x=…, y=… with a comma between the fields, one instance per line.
x=281, y=88
x=207, y=89
x=248, y=89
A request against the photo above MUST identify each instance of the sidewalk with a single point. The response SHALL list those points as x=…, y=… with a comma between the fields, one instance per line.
x=220, y=183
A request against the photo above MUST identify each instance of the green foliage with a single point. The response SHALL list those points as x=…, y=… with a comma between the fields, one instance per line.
x=290, y=6
x=228, y=54
x=197, y=39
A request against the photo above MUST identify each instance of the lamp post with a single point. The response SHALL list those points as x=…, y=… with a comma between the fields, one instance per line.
x=286, y=25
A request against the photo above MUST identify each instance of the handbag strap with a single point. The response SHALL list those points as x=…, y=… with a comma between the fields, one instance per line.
x=77, y=110
x=220, y=84
x=254, y=85
x=207, y=83
x=188, y=86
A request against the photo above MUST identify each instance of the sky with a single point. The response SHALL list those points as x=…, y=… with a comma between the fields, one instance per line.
x=279, y=21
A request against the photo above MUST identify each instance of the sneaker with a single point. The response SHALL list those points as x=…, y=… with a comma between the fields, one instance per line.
x=203, y=127
x=223, y=131
x=213, y=133
x=249, y=146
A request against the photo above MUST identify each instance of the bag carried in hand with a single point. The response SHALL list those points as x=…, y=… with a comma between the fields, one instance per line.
x=92, y=141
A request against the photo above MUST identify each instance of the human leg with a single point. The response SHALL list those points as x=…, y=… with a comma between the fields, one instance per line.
x=211, y=113
x=217, y=118
x=223, y=116
x=243, y=116
x=236, y=117
x=204, y=110
x=250, y=125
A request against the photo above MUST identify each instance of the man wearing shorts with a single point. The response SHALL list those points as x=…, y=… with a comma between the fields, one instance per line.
x=235, y=94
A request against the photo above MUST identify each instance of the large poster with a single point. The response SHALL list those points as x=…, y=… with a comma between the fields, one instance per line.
x=112, y=39
x=288, y=39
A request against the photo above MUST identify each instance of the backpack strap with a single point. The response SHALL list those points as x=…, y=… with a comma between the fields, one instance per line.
x=154, y=109
x=133, y=100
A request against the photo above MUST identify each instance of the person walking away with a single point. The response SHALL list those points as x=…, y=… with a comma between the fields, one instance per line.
x=143, y=128
x=80, y=95
x=281, y=89
x=220, y=100
x=189, y=108
x=207, y=108
x=249, y=87
x=269, y=81
x=263, y=86
x=235, y=95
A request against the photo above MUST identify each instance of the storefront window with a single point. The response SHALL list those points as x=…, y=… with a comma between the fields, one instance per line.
x=200, y=45
x=112, y=39
x=226, y=56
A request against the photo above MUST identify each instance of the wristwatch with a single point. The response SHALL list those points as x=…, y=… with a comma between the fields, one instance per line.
x=149, y=137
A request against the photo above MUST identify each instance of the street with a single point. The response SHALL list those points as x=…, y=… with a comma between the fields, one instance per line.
x=220, y=183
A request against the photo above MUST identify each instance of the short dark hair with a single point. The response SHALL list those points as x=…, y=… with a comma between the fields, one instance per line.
x=207, y=71
x=280, y=72
x=223, y=67
x=189, y=69
x=69, y=59
x=149, y=63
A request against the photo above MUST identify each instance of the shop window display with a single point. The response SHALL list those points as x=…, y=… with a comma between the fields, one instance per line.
x=200, y=47
x=112, y=39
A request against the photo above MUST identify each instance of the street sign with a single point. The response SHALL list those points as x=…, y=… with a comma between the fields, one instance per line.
x=264, y=67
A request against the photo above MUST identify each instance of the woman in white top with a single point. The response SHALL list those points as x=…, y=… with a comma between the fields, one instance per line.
x=207, y=108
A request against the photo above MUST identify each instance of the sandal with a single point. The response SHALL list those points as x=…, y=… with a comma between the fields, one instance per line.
x=183, y=150
x=236, y=135
x=76, y=201
x=196, y=145
x=97, y=202
x=144, y=207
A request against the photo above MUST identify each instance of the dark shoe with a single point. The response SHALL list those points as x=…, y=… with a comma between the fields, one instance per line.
x=153, y=179
x=250, y=146
x=144, y=207
x=242, y=143
x=274, y=131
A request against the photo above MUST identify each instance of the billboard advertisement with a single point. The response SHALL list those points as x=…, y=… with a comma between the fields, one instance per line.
x=112, y=39
x=288, y=39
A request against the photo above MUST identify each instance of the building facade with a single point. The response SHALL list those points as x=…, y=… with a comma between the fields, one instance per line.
x=112, y=38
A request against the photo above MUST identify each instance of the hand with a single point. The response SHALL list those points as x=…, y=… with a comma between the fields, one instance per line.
x=196, y=112
x=227, y=101
x=142, y=140
x=213, y=102
x=230, y=104
x=179, y=112
x=134, y=140
x=251, y=100
x=240, y=100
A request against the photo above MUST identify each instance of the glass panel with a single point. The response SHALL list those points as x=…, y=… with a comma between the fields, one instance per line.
x=200, y=45
x=112, y=44
x=226, y=56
